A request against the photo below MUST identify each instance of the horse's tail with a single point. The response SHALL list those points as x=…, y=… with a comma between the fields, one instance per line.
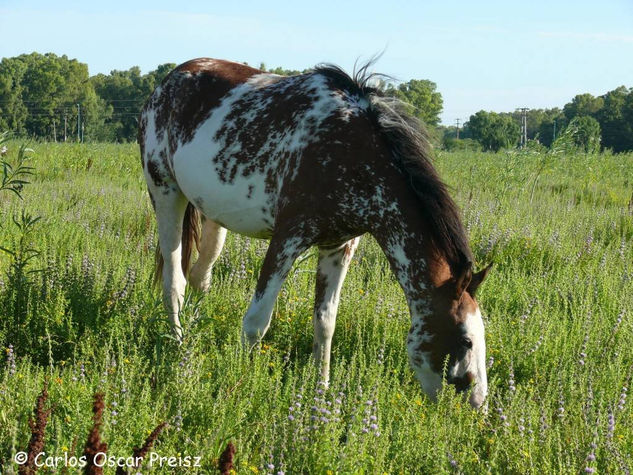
x=190, y=238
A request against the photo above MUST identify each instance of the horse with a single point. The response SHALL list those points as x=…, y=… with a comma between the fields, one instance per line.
x=315, y=159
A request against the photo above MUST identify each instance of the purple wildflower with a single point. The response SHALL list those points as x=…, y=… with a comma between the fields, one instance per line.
x=453, y=463
x=11, y=360
x=511, y=385
x=178, y=421
x=622, y=401
x=610, y=425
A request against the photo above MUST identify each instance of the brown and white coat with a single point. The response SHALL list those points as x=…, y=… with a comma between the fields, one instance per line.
x=315, y=159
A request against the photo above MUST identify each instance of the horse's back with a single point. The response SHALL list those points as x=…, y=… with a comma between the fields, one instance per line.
x=232, y=137
x=186, y=96
x=193, y=89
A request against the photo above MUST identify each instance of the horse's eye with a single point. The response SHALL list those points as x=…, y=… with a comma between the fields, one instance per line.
x=467, y=343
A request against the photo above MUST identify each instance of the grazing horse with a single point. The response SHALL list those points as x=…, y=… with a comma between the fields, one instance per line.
x=314, y=159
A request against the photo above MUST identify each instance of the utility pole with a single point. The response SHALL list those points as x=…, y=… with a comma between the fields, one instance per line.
x=78, y=123
x=457, y=123
x=524, y=111
x=65, y=125
x=554, y=131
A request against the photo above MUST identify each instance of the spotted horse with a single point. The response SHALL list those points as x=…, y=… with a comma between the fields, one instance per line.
x=316, y=159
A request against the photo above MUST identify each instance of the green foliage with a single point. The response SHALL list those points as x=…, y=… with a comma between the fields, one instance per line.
x=46, y=95
x=582, y=134
x=14, y=175
x=552, y=124
x=424, y=101
x=614, y=113
x=13, y=111
x=557, y=308
x=40, y=91
x=123, y=93
x=583, y=105
x=616, y=119
x=542, y=124
x=453, y=144
x=21, y=253
x=281, y=71
x=53, y=98
x=493, y=131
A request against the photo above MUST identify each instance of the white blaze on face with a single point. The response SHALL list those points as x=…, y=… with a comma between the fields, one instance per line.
x=474, y=362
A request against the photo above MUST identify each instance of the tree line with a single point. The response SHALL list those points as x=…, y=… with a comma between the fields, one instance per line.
x=54, y=98
x=587, y=122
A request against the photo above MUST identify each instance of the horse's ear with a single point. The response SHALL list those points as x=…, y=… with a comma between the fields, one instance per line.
x=477, y=279
x=463, y=278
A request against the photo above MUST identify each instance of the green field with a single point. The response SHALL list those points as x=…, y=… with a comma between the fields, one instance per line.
x=558, y=305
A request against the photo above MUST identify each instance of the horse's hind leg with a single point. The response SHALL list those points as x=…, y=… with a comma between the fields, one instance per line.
x=211, y=243
x=331, y=271
x=170, y=206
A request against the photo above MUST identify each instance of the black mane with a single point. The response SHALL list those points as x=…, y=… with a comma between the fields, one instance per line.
x=407, y=139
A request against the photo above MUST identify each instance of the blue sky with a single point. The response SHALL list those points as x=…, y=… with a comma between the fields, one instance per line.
x=491, y=55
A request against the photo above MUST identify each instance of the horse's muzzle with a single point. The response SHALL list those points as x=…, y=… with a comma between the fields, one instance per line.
x=465, y=383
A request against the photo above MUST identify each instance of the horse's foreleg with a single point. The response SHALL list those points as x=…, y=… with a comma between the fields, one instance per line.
x=331, y=271
x=281, y=254
x=170, y=211
x=211, y=243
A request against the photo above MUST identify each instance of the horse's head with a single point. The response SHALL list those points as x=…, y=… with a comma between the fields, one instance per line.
x=452, y=341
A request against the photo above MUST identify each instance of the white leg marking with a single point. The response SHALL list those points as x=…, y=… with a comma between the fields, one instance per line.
x=280, y=256
x=331, y=272
x=170, y=211
x=211, y=243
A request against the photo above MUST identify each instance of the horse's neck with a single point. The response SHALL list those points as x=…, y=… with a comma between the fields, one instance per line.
x=402, y=239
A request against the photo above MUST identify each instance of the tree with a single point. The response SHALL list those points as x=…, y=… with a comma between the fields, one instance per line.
x=540, y=123
x=281, y=71
x=124, y=93
x=494, y=131
x=583, y=104
x=424, y=101
x=161, y=72
x=616, y=119
x=453, y=144
x=552, y=125
x=13, y=111
x=582, y=133
x=39, y=91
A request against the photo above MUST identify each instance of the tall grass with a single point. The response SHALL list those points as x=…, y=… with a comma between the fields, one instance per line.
x=557, y=305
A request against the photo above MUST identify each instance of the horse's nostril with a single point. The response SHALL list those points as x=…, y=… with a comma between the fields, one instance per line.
x=462, y=383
